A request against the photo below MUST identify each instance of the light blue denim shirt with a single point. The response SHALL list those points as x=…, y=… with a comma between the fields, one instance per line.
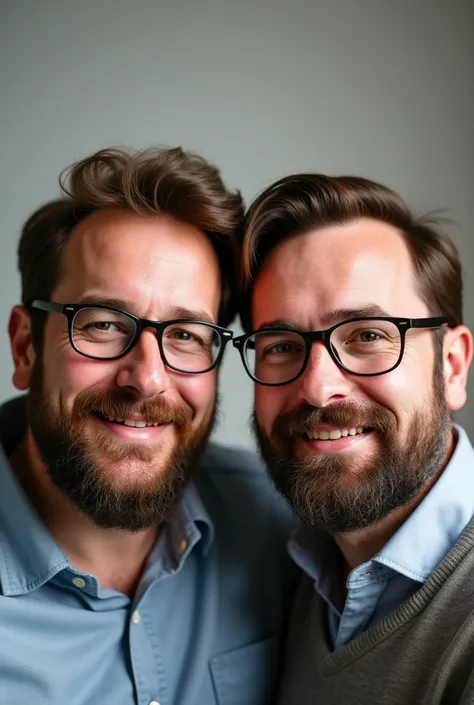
x=204, y=626
x=376, y=588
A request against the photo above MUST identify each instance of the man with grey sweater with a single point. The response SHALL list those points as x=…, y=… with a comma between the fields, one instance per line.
x=354, y=337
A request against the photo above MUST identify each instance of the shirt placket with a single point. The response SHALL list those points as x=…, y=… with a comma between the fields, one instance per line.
x=147, y=663
x=364, y=588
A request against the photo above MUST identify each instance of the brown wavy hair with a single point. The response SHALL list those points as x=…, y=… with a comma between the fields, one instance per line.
x=304, y=202
x=154, y=182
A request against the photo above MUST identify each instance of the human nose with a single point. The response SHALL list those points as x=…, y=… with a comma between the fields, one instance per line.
x=143, y=370
x=323, y=382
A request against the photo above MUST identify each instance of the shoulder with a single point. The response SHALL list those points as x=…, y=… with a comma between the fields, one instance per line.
x=236, y=488
x=12, y=422
x=252, y=524
x=234, y=471
x=224, y=459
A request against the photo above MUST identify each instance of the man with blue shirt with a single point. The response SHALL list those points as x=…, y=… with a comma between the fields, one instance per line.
x=355, y=341
x=136, y=567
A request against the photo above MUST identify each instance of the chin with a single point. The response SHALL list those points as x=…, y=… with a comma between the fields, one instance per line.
x=140, y=465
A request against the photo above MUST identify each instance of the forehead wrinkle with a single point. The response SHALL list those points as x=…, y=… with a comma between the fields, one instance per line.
x=155, y=265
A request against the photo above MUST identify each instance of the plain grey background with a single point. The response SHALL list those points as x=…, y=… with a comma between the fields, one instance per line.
x=379, y=88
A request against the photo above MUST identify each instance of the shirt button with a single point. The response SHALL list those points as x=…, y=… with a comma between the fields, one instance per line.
x=136, y=617
x=79, y=582
x=182, y=547
x=153, y=702
x=367, y=574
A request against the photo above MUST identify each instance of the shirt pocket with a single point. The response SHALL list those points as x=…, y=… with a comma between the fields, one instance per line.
x=247, y=675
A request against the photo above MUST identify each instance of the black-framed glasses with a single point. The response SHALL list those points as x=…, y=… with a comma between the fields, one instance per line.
x=362, y=346
x=105, y=333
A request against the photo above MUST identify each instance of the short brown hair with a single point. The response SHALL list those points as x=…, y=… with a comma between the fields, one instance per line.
x=304, y=202
x=153, y=181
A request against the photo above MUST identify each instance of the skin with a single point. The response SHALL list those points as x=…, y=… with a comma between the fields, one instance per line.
x=154, y=266
x=314, y=280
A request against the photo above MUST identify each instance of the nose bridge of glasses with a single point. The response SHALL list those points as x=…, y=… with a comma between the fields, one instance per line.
x=318, y=335
x=155, y=328
x=323, y=338
x=323, y=352
x=323, y=378
x=143, y=369
x=146, y=347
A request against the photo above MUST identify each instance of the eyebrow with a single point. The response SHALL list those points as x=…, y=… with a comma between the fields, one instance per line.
x=97, y=300
x=129, y=307
x=331, y=318
x=192, y=314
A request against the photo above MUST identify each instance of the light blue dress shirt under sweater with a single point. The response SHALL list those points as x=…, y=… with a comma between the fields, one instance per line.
x=376, y=588
x=205, y=623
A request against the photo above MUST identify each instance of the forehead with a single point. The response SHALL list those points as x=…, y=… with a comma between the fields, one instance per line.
x=346, y=266
x=151, y=261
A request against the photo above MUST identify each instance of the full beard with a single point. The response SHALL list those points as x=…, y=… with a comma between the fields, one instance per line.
x=81, y=467
x=351, y=491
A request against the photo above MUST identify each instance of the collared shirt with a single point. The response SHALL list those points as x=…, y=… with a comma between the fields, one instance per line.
x=376, y=588
x=203, y=627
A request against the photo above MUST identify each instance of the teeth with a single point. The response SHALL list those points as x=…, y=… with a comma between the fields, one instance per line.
x=335, y=434
x=132, y=423
x=136, y=424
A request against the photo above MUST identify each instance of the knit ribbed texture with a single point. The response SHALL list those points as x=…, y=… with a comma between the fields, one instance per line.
x=421, y=654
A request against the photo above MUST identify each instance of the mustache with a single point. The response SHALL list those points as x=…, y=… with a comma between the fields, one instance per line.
x=121, y=404
x=345, y=415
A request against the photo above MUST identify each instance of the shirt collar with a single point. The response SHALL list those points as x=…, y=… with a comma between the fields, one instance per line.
x=422, y=542
x=316, y=554
x=29, y=555
x=191, y=520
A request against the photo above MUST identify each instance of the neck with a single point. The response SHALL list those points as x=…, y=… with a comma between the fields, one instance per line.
x=116, y=557
x=358, y=547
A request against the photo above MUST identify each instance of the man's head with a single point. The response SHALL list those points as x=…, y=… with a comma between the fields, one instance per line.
x=353, y=423
x=119, y=409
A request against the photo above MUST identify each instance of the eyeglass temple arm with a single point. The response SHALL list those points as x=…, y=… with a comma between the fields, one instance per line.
x=434, y=322
x=47, y=306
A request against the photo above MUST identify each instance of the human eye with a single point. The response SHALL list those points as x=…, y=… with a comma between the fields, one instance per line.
x=192, y=339
x=97, y=324
x=286, y=348
x=367, y=336
x=185, y=337
x=278, y=349
x=378, y=334
x=103, y=326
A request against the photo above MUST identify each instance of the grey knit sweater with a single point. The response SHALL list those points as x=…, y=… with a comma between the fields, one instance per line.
x=421, y=654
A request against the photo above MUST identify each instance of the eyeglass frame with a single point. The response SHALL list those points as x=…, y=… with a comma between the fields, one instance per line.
x=310, y=337
x=71, y=310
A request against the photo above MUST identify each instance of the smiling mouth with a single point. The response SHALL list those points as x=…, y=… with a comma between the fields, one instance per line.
x=132, y=423
x=335, y=433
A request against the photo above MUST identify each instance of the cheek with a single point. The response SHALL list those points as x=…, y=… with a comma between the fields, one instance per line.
x=410, y=385
x=402, y=391
x=269, y=403
x=198, y=391
x=68, y=374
